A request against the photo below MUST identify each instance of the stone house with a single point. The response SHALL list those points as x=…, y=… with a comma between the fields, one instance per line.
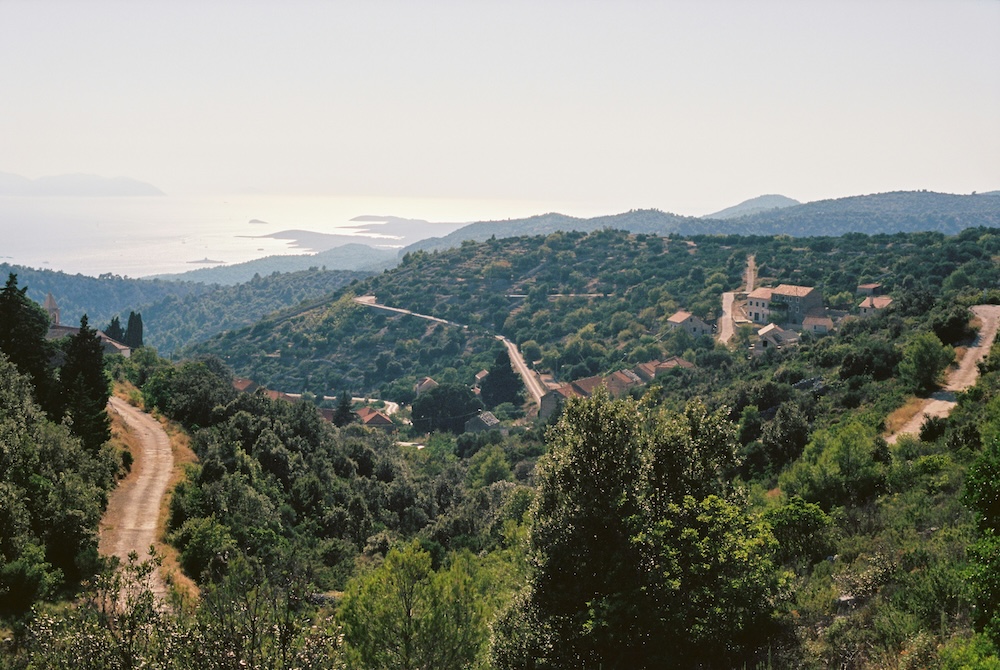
x=689, y=322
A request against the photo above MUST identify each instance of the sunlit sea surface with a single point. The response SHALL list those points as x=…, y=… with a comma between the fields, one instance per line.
x=140, y=236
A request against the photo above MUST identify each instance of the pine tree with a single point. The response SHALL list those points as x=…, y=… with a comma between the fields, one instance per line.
x=85, y=388
x=23, y=326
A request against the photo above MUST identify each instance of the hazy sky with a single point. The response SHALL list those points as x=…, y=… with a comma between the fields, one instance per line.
x=684, y=106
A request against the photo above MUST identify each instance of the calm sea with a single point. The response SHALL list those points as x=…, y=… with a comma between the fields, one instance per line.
x=140, y=236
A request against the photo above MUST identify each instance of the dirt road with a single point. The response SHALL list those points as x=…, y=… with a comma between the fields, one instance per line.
x=727, y=324
x=941, y=403
x=130, y=522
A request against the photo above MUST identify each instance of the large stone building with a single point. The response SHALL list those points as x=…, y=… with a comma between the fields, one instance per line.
x=786, y=303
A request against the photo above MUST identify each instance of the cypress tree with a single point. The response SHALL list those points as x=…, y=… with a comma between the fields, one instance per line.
x=343, y=415
x=502, y=384
x=133, y=332
x=114, y=330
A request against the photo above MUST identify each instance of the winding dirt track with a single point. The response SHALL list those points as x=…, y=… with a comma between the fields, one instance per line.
x=131, y=520
x=941, y=403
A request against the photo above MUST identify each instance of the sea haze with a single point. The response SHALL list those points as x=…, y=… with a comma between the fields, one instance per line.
x=141, y=236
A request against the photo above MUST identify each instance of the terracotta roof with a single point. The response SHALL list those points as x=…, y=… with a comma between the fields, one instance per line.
x=818, y=321
x=777, y=334
x=621, y=381
x=646, y=370
x=761, y=293
x=588, y=385
x=680, y=316
x=244, y=385
x=876, y=302
x=373, y=417
x=793, y=290
x=676, y=362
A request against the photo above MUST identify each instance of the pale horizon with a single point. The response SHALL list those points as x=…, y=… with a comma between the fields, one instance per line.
x=679, y=106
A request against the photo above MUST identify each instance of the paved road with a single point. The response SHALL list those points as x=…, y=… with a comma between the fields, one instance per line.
x=131, y=520
x=530, y=379
x=941, y=403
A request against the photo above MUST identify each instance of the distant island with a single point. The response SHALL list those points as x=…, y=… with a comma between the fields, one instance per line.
x=207, y=261
x=74, y=185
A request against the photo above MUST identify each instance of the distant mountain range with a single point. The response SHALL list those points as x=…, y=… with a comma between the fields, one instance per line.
x=881, y=213
x=762, y=203
x=74, y=185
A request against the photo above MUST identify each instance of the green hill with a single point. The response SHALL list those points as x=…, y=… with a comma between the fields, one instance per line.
x=617, y=292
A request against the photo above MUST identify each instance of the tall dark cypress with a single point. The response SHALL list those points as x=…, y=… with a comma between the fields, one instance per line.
x=114, y=330
x=133, y=333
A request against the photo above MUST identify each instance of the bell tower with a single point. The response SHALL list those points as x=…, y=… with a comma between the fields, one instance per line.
x=53, y=309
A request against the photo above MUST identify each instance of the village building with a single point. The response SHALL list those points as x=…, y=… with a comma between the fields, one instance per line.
x=58, y=331
x=786, y=303
x=818, y=325
x=372, y=418
x=618, y=383
x=482, y=422
x=424, y=384
x=873, y=305
x=689, y=322
x=773, y=336
x=244, y=385
x=869, y=289
x=647, y=372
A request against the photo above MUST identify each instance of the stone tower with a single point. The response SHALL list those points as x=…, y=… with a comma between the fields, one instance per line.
x=53, y=309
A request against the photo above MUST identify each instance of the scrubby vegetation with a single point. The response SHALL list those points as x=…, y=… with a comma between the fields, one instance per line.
x=746, y=512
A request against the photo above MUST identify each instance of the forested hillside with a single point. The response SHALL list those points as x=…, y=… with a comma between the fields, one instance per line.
x=178, y=321
x=581, y=303
x=100, y=298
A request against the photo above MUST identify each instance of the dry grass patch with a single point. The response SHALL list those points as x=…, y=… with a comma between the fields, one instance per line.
x=901, y=416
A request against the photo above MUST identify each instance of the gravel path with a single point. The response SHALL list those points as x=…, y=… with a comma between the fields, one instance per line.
x=941, y=403
x=131, y=520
